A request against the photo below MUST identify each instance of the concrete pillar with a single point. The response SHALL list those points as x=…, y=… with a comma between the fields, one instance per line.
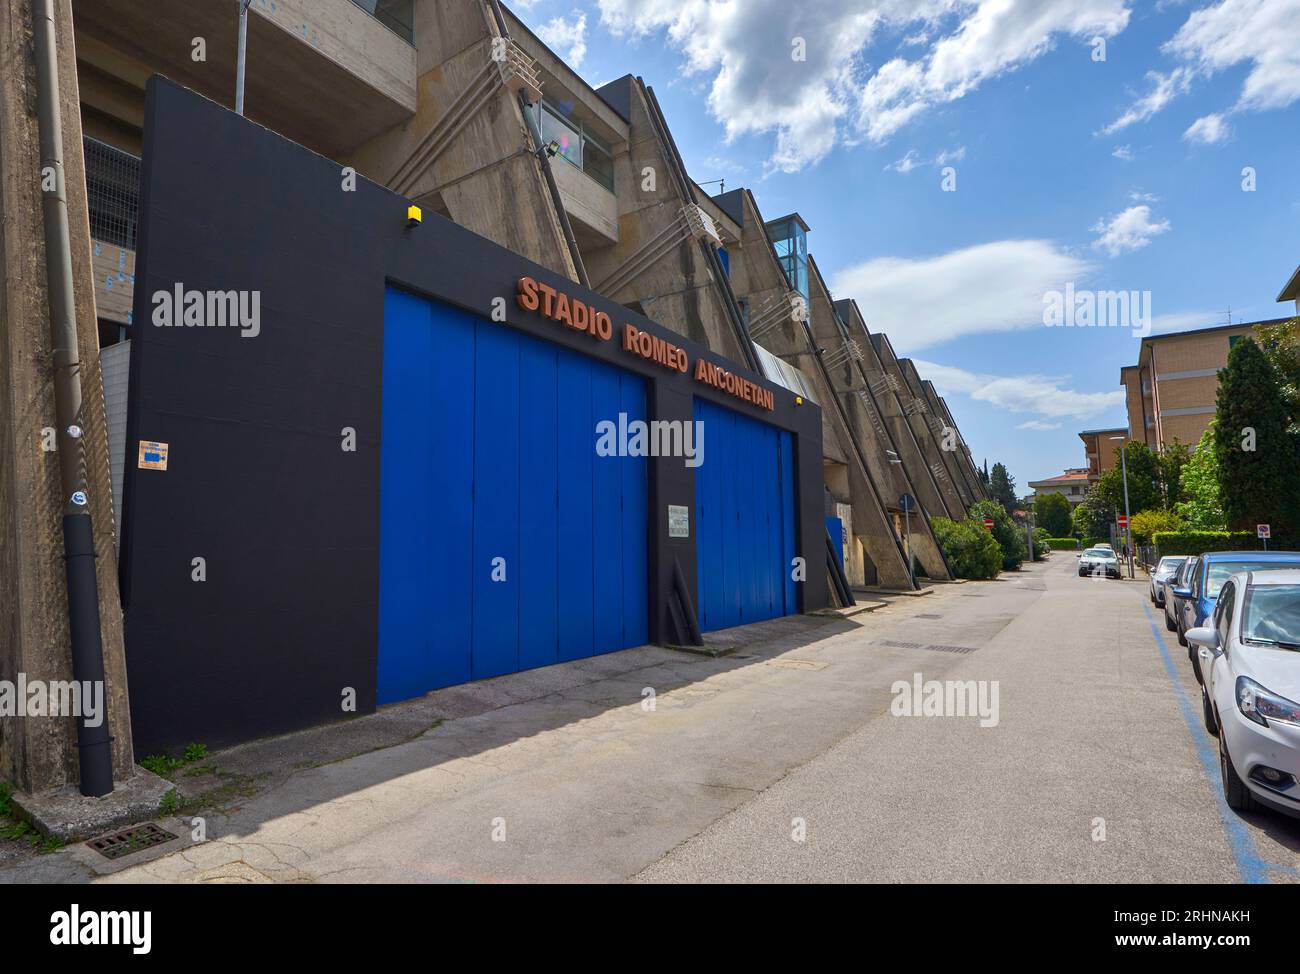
x=39, y=753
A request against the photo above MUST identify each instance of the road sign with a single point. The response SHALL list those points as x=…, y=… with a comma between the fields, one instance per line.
x=988, y=523
x=907, y=502
x=1122, y=520
x=1263, y=531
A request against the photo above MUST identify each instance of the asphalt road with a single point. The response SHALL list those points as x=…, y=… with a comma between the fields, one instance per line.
x=782, y=762
x=1099, y=726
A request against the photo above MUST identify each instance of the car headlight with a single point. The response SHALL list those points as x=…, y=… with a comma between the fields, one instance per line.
x=1261, y=706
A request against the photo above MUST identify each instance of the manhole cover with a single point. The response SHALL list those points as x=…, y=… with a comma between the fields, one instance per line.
x=130, y=840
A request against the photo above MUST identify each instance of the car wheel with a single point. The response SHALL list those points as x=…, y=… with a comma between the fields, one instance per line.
x=1182, y=640
x=1169, y=623
x=1235, y=792
x=1207, y=710
x=1196, y=664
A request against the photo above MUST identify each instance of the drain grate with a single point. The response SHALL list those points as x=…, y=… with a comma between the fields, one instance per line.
x=130, y=840
x=951, y=649
x=927, y=615
x=937, y=647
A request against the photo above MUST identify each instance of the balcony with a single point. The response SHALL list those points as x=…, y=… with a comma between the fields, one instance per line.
x=330, y=74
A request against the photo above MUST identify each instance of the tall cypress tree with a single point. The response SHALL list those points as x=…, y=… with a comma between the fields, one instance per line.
x=1003, y=488
x=1259, y=472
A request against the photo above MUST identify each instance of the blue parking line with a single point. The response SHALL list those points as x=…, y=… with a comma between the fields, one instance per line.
x=1250, y=866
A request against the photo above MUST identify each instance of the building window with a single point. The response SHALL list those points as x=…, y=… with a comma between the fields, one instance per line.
x=577, y=146
x=397, y=15
x=112, y=193
x=1232, y=341
x=790, y=241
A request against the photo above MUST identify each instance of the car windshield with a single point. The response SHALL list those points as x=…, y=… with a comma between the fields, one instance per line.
x=1221, y=571
x=1272, y=615
x=1168, y=566
x=1098, y=553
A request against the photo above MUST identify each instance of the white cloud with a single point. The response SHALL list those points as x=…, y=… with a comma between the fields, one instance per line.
x=1208, y=129
x=1038, y=424
x=990, y=287
x=1123, y=152
x=1130, y=230
x=950, y=155
x=1138, y=197
x=568, y=37
x=1164, y=89
x=905, y=164
x=1040, y=394
x=1260, y=33
x=813, y=104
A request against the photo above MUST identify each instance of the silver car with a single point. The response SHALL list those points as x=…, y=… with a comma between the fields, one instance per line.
x=1177, y=580
x=1164, y=570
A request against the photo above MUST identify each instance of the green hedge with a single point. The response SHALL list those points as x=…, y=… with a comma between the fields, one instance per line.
x=1060, y=544
x=971, y=551
x=1196, y=542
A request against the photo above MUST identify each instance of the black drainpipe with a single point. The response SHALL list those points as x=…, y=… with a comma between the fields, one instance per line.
x=95, y=744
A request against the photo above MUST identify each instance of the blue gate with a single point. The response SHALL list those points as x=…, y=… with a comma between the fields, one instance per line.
x=505, y=541
x=745, y=529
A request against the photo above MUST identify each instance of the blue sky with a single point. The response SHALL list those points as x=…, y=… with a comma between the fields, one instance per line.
x=1122, y=173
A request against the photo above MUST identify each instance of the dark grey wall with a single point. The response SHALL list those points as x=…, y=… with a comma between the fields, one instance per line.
x=257, y=483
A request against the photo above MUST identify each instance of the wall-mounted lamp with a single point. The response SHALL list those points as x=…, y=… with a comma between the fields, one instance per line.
x=413, y=216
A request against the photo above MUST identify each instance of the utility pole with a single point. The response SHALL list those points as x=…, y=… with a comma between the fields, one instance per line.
x=243, y=50
x=1128, y=518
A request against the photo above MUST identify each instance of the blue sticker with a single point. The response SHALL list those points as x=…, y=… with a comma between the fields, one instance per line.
x=79, y=498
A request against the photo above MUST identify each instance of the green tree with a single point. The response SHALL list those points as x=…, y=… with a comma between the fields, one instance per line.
x=1144, y=488
x=1093, y=516
x=1010, y=538
x=1281, y=345
x=1255, y=453
x=1201, y=509
x=970, y=550
x=1052, y=513
x=1169, y=465
x=1002, y=487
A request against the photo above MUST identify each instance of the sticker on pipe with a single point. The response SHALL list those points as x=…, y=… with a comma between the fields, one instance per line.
x=153, y=455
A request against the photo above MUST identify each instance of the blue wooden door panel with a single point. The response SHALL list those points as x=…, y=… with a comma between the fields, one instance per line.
x=636, y=572
x=791, y=590
x=575, y=566
x=489, y=452
x=607, y=513
x=744, y=502
x=538, y=486
x=423, y=643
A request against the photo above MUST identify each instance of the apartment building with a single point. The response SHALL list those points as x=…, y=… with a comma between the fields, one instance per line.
x=456, y=106
x=1100, y=449
x=1170, y=392
x=1072, y=484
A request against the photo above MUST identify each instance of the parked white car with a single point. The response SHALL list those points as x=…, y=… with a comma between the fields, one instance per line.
x=1100, y=562
x=1250, y=660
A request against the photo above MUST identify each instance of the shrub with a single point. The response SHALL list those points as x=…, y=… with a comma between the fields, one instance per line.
x=1147, y=523
x=1010, y=538
x=1061, y=544
x=971, y=551
x=1196, y=542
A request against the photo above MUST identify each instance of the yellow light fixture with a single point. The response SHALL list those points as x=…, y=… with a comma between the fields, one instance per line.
x=413, y=216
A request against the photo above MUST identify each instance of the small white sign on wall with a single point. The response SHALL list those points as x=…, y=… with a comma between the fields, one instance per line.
x=679, y=521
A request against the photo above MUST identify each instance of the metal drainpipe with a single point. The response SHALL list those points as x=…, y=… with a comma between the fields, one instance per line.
x=94, y=743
